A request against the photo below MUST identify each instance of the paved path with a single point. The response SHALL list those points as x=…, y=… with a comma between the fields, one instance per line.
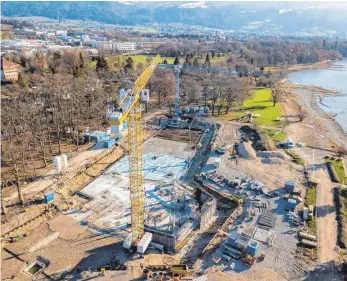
x=326, y=218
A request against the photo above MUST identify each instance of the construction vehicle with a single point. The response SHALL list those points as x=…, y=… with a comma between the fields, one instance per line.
x=181, y=269
x=130, y=107
x=248, y=260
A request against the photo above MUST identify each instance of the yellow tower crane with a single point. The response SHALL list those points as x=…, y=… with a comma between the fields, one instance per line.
x=130, y=107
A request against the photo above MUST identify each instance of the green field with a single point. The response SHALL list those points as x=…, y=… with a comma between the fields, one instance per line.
x=339, y=168
x=276, y=135
x=260, y=103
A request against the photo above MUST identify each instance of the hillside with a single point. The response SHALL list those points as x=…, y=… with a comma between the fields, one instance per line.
x=282, y=17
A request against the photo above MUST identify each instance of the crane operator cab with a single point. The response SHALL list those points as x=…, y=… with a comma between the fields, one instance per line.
x=144, y=96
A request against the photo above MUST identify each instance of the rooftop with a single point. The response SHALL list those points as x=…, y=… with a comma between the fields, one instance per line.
x=6, y=64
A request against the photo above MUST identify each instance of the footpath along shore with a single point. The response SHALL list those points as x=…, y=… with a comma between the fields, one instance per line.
x=308, y=99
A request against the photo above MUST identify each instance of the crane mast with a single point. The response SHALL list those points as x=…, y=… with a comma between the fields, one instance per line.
x=131, y=108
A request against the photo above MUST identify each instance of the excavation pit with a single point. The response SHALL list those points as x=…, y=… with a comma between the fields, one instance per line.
x=35, y=268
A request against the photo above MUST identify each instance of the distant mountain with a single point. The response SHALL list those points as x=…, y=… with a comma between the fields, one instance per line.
x=288, y=17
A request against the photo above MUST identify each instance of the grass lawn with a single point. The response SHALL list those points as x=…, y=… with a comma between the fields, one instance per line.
x=339, y=168
x=295, y=156
x=311, y=195
x=261, y=104
x=276, y=135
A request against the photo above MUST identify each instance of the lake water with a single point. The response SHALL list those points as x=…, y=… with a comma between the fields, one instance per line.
x=334, y=77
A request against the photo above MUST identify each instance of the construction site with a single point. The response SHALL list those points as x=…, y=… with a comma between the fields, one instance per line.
x=177, y=197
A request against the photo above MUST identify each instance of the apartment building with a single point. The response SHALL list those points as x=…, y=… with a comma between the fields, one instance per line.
x=124, y=46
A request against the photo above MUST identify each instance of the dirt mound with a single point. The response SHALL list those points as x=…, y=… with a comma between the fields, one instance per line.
x=272, y=154
x=264, y=143
x=246, y=150
x=261, y=141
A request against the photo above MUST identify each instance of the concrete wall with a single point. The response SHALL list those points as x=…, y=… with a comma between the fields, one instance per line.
x=203, y=220
x=160, y=237
x=208, y=211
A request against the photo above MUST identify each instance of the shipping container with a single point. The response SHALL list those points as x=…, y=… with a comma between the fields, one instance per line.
x=289, y=186
x=144, y=243
x=232, y=238
x=109, y=143
x=231, y=250
x=49, y=197
x=95, y=136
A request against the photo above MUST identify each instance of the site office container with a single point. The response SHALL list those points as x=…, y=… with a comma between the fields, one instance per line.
x=291, y=203
x=109, y=143
x=49, y=197
x=252, y=247
x=144, y=243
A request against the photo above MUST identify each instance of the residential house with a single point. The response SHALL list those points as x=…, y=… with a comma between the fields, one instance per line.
x=9, y=70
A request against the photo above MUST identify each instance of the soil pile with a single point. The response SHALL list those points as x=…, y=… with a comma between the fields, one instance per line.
x=246, y=150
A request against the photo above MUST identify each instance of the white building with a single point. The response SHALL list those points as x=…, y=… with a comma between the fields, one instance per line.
x=104, y=45
x=85, y=37
x=124, y=46
x=61, y=32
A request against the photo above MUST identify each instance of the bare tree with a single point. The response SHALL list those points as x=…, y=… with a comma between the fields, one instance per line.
x=190, y=89
x=247, y=89
x=277, y=93
x=232, y=90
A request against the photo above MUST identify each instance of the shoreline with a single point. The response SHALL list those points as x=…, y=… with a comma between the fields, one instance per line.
x=321, y=64
x=307, y=96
